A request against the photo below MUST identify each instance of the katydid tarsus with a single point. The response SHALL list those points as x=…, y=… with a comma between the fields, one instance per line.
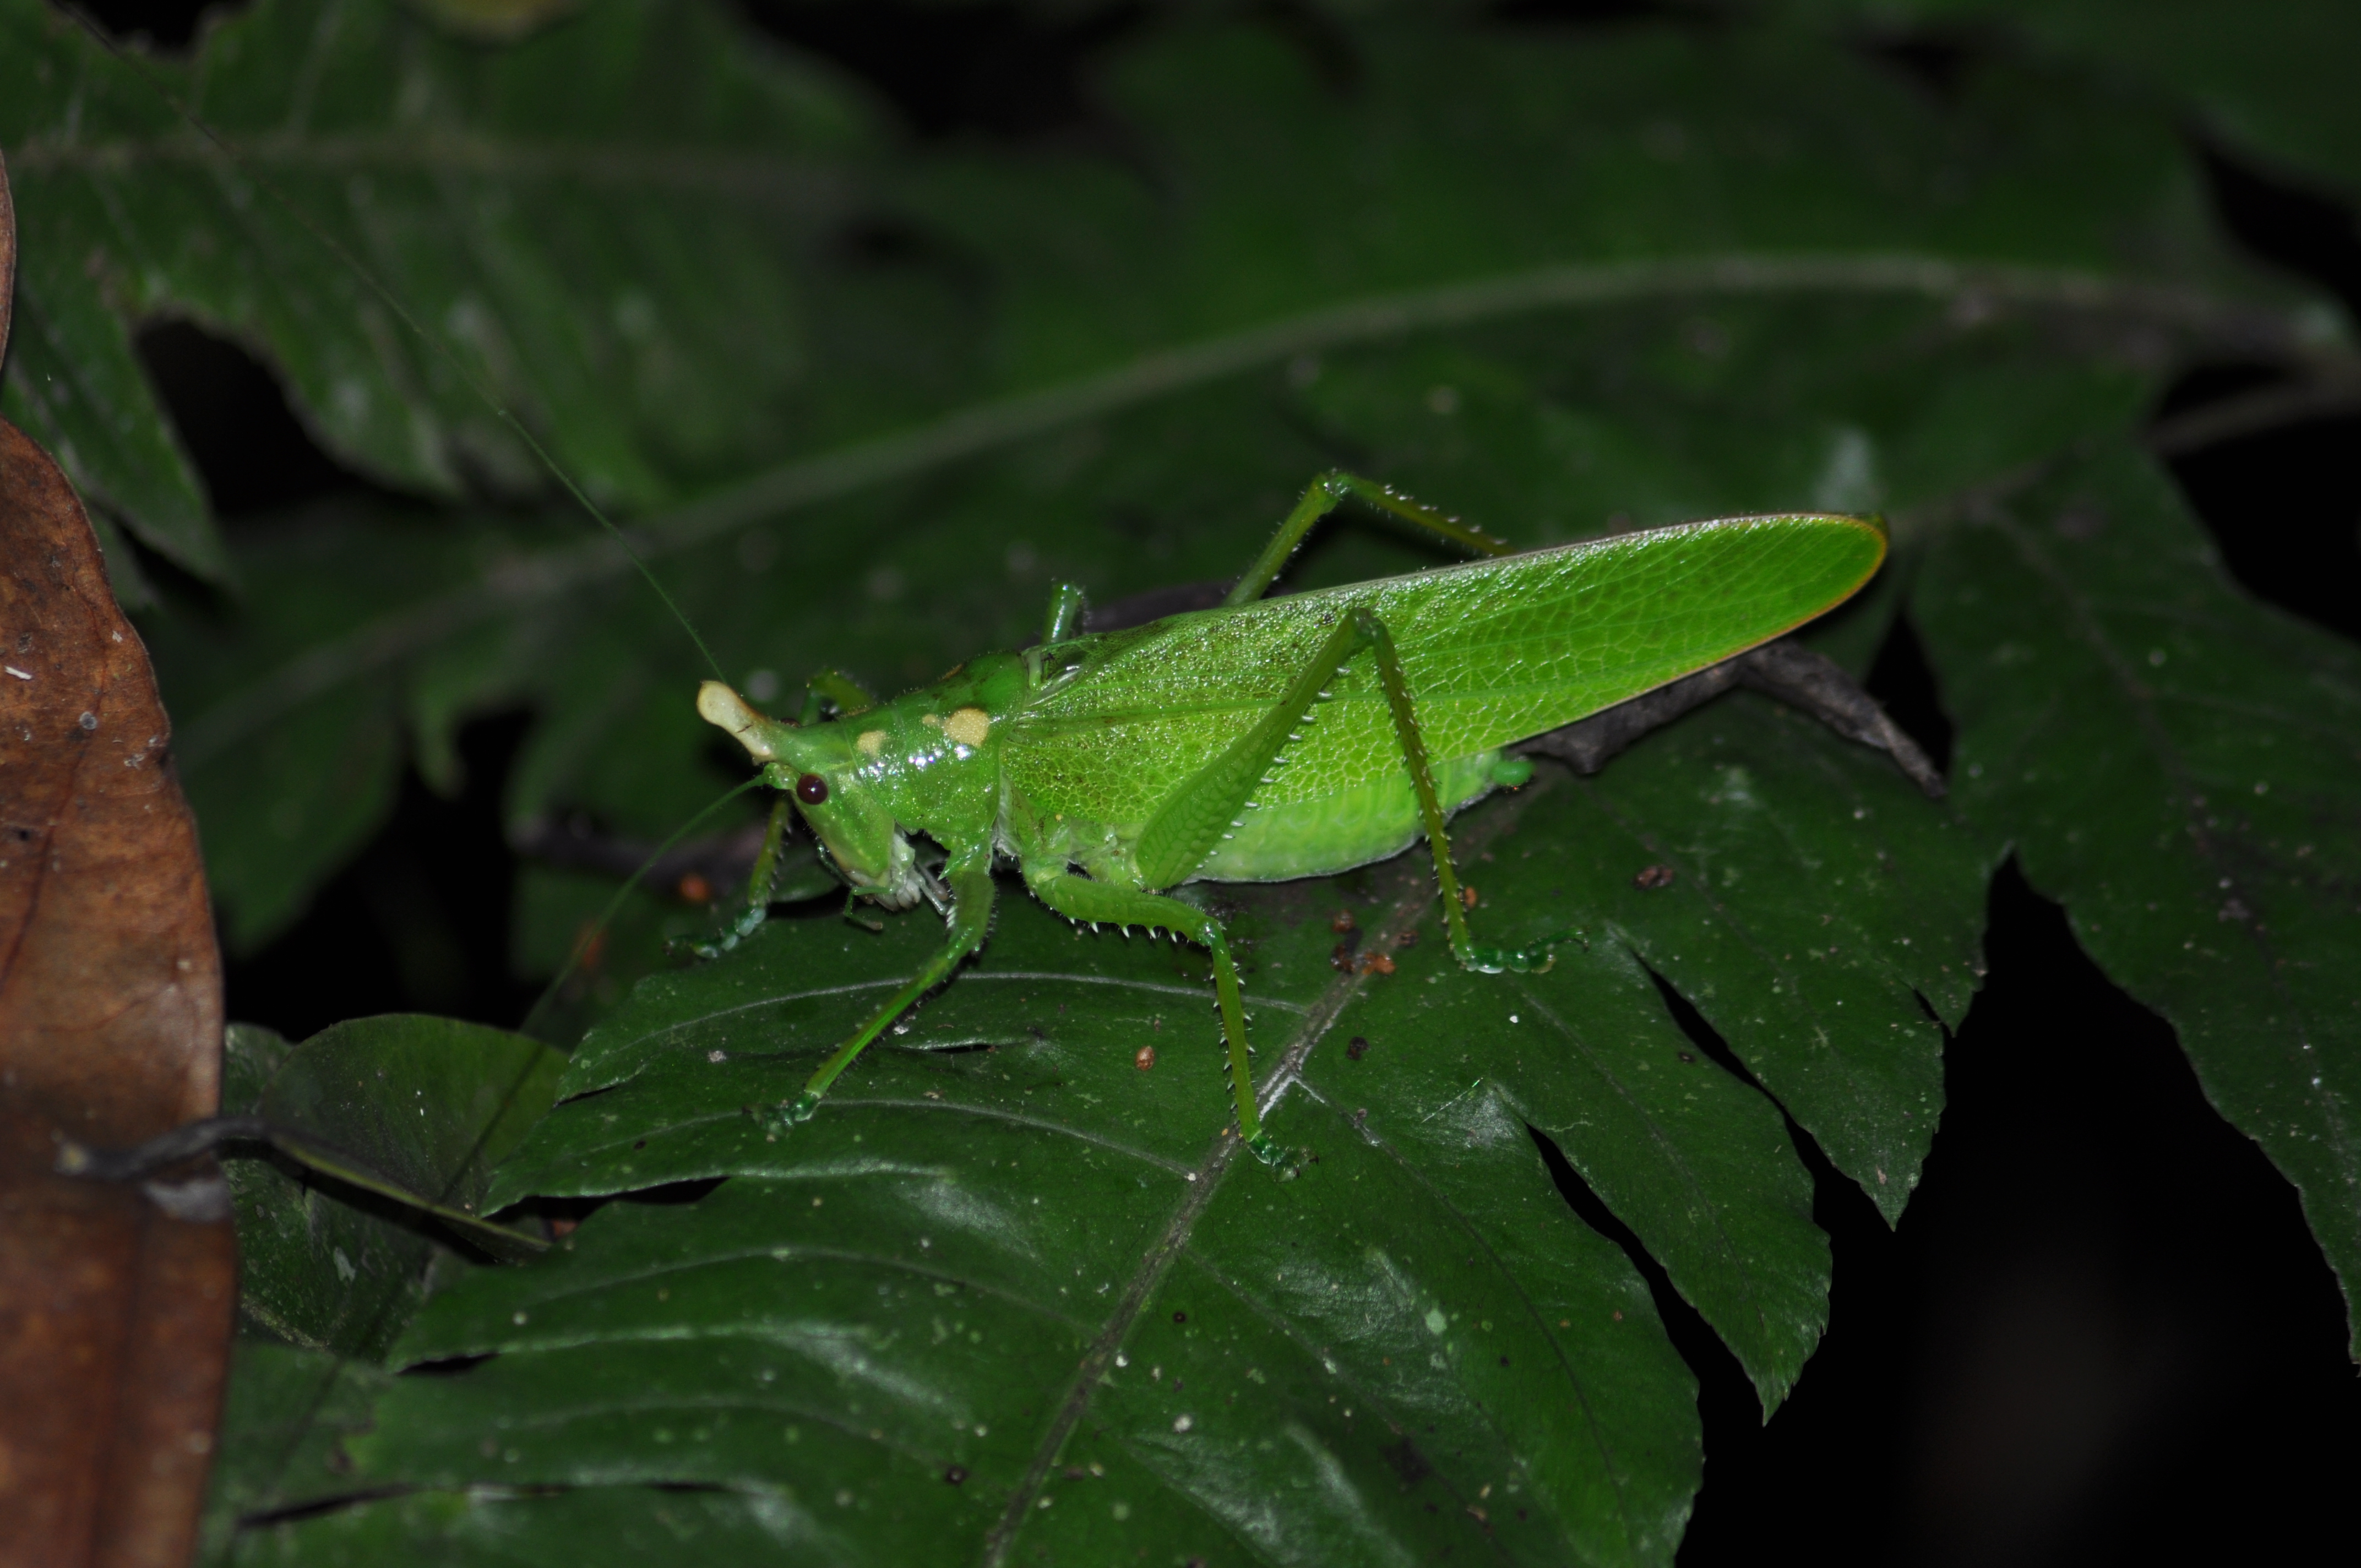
x=1268, y=737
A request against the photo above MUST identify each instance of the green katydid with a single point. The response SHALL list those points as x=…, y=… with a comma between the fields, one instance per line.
x=1267, y=738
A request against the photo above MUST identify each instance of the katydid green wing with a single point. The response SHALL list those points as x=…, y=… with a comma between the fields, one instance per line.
x=1494, y=650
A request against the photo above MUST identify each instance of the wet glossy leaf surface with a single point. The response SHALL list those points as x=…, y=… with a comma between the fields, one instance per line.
x=941, y=1270
x=946, y=1265
x=2176, y=766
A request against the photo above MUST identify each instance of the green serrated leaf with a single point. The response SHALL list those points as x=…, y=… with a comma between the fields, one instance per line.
x=614, y=229
x=2175, y=764
x=1034, y=1270
x=2266, y=79
x=333, y=1256
x=1025, y=1217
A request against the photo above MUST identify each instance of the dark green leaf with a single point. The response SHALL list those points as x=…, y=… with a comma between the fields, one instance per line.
x=1047, y=1201
x=615, y=227
x=1005, y=1177
x=427, y=1105
x=2177, y=765
x=1799, y=282
x=282, y=1432
x=2272, y=80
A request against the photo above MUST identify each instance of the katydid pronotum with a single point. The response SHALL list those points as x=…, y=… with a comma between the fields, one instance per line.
x=1268, y=737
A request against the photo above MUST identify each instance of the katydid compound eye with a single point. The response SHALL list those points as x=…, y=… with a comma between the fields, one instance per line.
x=811, y=789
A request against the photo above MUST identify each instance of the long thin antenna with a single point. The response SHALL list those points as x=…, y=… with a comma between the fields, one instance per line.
x=606, y=915
x=401, y=312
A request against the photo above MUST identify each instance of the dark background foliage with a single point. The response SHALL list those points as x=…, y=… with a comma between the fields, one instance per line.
x=2054, y=1358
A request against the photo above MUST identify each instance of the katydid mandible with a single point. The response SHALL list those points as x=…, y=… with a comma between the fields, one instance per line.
x=1270, y=737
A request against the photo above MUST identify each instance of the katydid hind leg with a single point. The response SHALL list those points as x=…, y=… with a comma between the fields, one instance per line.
x=1191, y=822
x=1396, y=684
x=1193, y=818
x=1325, y=495
x=1067, y=611
x=1079, y=898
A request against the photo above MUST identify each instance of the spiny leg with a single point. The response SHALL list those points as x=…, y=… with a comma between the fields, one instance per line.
x=1390, y=676
x=1810, y=683
x=1079, y=898
x=1323, y=496
x=1184, y=830
x=970, y=918
x=758, y=886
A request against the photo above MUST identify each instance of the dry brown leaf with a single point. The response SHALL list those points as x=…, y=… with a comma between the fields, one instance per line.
x=7, y=255
x=115, y=1316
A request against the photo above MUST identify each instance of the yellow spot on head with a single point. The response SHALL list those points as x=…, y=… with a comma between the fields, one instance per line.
x=968, y=726
x=869, y=743
x=931, y=720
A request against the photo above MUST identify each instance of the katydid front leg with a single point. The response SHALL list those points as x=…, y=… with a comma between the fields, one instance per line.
x=765, y=877
x=970, y=918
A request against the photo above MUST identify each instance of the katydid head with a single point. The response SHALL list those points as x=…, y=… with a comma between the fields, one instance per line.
x=821, y=766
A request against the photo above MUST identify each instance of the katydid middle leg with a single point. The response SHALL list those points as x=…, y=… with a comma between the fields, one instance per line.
x=1080, y=898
